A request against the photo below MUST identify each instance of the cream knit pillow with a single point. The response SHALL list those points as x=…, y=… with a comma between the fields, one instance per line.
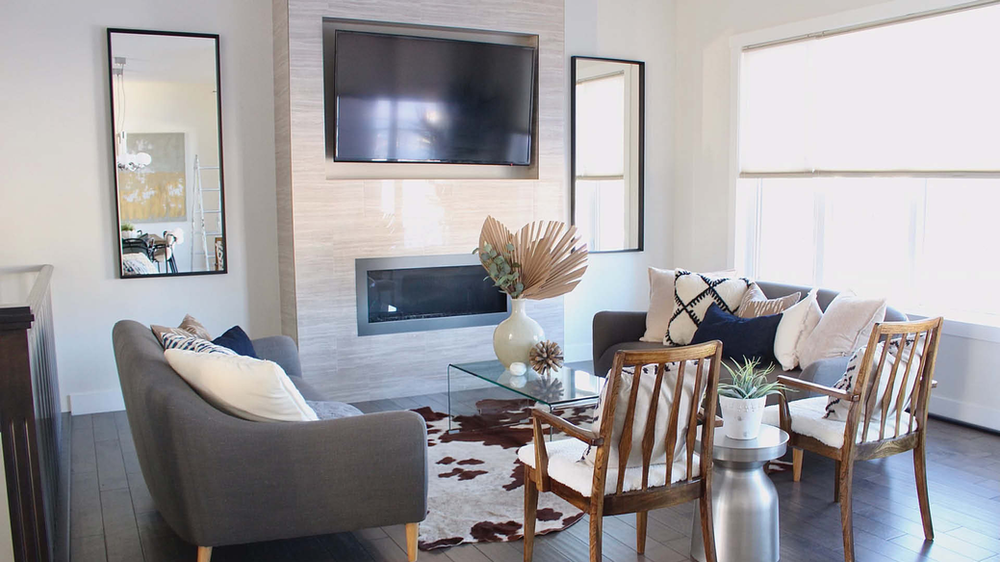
x=844, y=327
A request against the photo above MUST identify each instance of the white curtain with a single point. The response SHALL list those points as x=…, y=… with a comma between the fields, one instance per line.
x=917, y=96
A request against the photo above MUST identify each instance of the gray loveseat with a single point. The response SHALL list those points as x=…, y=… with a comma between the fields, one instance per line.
x=614, y=331
x=219, y=480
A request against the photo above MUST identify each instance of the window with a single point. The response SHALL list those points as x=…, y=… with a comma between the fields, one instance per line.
x=870, y=160
x=601, y=129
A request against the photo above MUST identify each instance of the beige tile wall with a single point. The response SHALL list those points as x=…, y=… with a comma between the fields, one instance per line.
x=325, y=224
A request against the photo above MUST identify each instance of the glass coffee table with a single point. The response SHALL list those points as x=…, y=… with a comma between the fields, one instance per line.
x=484, y=394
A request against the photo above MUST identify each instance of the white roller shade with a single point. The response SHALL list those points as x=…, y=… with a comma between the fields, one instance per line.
x=916, y=96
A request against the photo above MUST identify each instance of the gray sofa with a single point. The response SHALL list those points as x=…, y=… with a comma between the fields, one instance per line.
x=614, y=331
x=219, y=480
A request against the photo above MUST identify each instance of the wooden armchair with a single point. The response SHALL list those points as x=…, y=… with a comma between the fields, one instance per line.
x=887, y=413
x=680, y=476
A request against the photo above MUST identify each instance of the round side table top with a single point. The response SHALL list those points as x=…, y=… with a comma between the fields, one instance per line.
x=770, y=444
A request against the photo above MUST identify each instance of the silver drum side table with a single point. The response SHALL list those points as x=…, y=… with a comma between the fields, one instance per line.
x=744, y=501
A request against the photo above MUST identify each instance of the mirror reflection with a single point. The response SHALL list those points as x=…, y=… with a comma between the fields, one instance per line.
x=607, y=152
x=167, y=152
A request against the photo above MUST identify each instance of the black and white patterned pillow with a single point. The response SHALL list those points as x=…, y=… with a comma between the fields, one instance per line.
x=693, y=294
x=837, y=409
x=191, y=343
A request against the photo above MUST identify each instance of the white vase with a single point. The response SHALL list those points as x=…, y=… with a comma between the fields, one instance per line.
x=741, y=418
x=515, y=336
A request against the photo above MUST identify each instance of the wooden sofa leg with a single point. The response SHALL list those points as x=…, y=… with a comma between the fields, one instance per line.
x=412, y=531
x=204, y=554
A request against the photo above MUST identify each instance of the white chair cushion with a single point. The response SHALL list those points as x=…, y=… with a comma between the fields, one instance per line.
x=567, y=466
x=809, y=419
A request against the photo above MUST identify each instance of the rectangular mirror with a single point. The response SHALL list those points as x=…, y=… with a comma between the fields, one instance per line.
x=166, y=112
x=608, y=131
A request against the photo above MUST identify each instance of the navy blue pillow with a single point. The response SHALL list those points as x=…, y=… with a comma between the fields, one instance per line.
x=740, y=337
x=237, y=340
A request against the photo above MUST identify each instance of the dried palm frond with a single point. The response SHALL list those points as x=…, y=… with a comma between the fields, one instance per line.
x=542, y=260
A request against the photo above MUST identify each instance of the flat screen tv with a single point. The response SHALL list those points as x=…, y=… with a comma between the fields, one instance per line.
x=400, y=98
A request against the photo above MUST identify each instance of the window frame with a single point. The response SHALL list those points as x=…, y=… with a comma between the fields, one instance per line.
x=746, y=258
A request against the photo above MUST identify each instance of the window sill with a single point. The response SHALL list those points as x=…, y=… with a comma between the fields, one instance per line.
x=986, y=328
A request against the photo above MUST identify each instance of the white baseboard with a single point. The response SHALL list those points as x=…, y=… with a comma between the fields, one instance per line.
x=964, y=412
x=96, y=402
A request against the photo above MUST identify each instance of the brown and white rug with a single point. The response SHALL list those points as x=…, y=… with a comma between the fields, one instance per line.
x=475, y=483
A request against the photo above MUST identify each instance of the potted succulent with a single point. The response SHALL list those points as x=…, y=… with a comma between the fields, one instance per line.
x=128, y=230
x=742, y=400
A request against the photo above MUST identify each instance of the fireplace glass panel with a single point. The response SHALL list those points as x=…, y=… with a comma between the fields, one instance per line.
x=433, y=292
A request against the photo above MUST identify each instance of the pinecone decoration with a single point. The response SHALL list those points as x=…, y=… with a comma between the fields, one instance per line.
x=546, y=356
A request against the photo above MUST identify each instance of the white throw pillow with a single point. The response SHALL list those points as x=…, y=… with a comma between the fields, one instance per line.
x=844, y=327
x=838, y=409
x=245, y=387
x=792, y=329
x=646, y=381
x=693, y=294
x=661, y=301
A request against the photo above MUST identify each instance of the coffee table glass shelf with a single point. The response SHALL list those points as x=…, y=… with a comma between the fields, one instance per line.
x=486, y=394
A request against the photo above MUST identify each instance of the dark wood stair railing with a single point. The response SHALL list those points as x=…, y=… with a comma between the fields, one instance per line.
x=31, y=417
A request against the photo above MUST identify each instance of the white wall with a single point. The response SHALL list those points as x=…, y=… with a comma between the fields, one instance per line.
x=637, y=30
x=56, y=195
x=704, y=205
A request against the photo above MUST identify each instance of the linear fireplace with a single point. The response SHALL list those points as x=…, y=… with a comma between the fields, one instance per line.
x=419, y=293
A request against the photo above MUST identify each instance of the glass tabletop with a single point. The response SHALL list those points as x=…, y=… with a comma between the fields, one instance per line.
x=560, y=387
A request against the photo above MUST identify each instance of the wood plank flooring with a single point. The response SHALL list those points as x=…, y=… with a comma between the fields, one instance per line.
x=113, y=518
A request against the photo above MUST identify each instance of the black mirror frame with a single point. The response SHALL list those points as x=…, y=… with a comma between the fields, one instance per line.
x=114, y=150
x=642, y=147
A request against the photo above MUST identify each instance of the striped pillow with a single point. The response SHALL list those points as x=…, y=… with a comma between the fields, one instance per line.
x=755, y=303
x=191, y=343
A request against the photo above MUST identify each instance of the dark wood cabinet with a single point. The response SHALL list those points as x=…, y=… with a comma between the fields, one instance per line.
x=31, y=417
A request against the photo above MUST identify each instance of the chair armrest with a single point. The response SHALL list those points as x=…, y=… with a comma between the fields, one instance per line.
x=613, y=327
x=719, y=422
x=573, y=430
x=281, y=350
x=793, y=382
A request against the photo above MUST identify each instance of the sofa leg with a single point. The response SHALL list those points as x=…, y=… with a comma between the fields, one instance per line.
x=204, y=554
x=412, y=530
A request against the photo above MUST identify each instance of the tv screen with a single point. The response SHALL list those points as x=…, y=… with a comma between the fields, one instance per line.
x=399, y=98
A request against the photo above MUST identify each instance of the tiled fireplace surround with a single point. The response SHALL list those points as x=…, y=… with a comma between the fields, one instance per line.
x=325, y=224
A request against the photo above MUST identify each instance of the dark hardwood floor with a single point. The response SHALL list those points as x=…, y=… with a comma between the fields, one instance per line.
x=113, y=517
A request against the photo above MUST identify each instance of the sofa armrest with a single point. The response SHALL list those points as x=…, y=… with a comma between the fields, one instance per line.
x=243, y=481
x=281, y=350
x=613, y=327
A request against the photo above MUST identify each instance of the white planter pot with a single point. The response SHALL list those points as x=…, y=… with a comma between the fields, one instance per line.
x=515, y=336
x=128, y=234
x=742, y=417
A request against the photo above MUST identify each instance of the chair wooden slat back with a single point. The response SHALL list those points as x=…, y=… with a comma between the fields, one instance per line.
x=705, y=392
x=888, y=391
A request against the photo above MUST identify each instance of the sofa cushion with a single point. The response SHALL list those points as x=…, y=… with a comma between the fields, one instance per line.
x=844, y=327
x=248, y=388
x=661, y=301
x=755, y=303
x=797, y=322
x=237, y=340
x=693, y=293
x=742, y=338
x=189, y=326
x=188, y=342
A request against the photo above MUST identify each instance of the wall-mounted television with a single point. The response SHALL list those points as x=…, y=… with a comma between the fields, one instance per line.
x=402, y=98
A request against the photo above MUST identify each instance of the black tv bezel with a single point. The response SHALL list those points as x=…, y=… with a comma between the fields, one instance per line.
x=533, y=97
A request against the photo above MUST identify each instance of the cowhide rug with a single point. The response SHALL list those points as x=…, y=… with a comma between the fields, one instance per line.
x=475, y=483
